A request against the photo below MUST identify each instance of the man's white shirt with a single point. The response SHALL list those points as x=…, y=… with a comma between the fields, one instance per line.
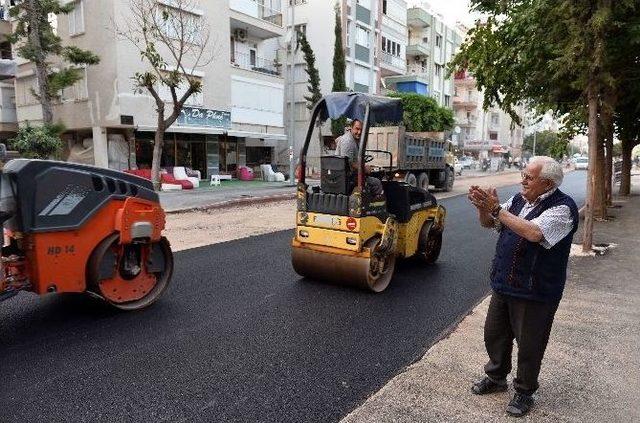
x=555, y=223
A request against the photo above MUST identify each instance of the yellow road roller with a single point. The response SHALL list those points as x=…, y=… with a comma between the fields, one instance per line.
x=346, y=235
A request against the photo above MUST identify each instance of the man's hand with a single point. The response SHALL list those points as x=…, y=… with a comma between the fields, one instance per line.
x=485, y=200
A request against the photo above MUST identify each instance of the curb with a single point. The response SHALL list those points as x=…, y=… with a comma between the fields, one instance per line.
x=235, y=202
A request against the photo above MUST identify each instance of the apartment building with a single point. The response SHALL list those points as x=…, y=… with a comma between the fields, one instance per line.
x=8, y=118
x=484, y=133
x=374, y=38
x=236, y=120
x=431, y=46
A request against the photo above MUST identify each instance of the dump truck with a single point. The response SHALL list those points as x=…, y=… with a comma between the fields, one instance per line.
x=420, y=159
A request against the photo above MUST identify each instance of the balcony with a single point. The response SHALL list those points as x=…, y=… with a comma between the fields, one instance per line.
x=255, y=63
x=468, y=102
x=414, y=69
x=418, y=18
x=391, y=65
x=260, y=19
x=417, y=49
x=467, y=122
x=7, y=69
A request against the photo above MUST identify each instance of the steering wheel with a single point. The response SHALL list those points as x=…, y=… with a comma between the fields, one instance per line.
x=368, y=158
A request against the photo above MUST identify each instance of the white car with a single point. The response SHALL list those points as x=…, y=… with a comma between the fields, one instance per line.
x=466, y=162
x=581, y=163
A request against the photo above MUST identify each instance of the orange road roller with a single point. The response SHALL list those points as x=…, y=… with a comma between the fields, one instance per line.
x=76, y=228
x=345, y=232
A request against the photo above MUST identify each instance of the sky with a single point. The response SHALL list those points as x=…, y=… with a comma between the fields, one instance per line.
x=451, y=10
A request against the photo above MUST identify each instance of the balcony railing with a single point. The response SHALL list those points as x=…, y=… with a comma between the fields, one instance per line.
x=392, y=60
x=255, y=63
x=416, y=70
x=267, y=10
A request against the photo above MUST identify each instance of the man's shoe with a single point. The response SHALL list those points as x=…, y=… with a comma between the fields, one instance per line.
x=520, y=405
x=488, y=386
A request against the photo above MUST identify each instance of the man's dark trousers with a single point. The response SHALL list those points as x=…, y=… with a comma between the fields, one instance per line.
x=529, y=323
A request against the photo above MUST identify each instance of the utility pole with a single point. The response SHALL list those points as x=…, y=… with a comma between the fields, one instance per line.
x=292, y=94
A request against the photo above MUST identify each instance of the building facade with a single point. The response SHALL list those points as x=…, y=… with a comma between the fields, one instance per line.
x=236, y=120
x=374, y=37
x=8, y=117
x=431, y=47
x=483, y=133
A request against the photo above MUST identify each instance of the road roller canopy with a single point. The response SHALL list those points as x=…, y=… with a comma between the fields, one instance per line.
x=354, y=105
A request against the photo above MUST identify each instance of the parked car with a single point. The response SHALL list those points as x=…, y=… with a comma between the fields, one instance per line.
x=466, y=162
x=582, y=163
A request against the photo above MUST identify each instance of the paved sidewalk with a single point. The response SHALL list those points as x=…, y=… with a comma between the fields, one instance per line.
x=591, y=371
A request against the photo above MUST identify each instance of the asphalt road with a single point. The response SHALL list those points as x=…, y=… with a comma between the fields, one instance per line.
x=239, y=336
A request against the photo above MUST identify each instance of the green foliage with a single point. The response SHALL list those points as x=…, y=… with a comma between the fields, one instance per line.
x=548, y=143
x=39, y=48
x=314, y=76
x=423, y=114
x=339, y=67
x=38, y=142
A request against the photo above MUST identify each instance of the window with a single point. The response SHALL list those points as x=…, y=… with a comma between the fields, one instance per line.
x=362, y=36
x=493, y=136
x=252, y=57
x=384, y=6
x=384, y=44
x=76, y=18
x=438, y=70
x=447, y=100
x=495, y=118
x=78, y=91
x=438, y=40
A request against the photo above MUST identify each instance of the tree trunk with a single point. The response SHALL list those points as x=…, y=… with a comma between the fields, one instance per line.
x=599, y=204
x=587, y=238
x=625, y=179
x=608, y=136
x=157, y=152
x=40, y=63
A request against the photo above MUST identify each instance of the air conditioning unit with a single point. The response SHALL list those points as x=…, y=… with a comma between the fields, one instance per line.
x=240, y=34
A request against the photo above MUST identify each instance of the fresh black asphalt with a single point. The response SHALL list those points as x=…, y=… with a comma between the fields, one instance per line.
x=239, y=336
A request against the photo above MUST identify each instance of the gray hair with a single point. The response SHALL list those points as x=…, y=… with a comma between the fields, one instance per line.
x=551, y=169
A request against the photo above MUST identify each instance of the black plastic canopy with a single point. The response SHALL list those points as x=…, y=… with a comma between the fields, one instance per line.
x=353, y=106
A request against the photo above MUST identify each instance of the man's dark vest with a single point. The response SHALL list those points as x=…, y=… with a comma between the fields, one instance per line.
x=526, y=269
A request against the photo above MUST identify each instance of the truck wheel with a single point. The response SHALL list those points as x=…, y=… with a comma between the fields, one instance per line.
x=449, y=178
x=423, y=181
x=410, y=178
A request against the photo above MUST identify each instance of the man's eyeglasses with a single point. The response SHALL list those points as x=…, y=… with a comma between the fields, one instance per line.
x=526, y=177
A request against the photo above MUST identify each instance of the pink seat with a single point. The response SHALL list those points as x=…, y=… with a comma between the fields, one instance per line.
x=245, y=173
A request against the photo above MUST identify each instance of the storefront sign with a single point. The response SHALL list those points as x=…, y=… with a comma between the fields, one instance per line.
x=198, y=116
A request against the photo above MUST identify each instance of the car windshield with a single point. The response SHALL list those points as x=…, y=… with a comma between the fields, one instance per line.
x=582, y=160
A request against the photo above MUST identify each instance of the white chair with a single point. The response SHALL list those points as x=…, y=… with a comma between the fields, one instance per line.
x=269, y=175
x=215, y=180
x=180, y=173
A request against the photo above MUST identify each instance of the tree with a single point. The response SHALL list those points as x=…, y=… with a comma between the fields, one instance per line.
x=548, y=143
x=423, y=114
x=553, y=55
x=313, y=78
x=38, y=42
x=312, y=72
x=174, y=44
x=339, y=67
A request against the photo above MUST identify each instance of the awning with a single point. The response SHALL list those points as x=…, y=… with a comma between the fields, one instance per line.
x=353, y=106
x=262, y=135
x=184, y=129
x=499, y=149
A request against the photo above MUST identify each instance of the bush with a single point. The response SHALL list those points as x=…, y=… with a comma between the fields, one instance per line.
x=423, y=114
x=38, y=142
